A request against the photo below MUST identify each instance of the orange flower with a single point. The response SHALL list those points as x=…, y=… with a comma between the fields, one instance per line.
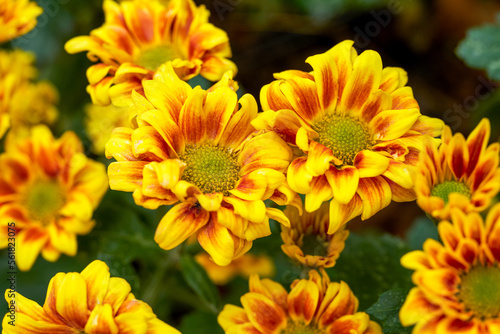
x=17, y=17
x=458, y=280
x=140, y=35
x=89, y=302
x=244, y=266
x=357, y=127
x=314, y=305
x=49, y=189
x=198, y=147
x=100, y=122
x=460, y=173
x=307, y=241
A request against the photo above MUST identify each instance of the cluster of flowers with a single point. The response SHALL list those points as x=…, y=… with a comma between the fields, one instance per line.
x=343, y=140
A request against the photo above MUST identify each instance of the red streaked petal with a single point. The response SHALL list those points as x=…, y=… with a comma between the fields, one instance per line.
x=192, y=118
x=284, y=122
x=375, y=194
x=272, y=98
x=318, y=159
x=350, y=323
x=251, y=187
x=264, y=146
x=451, y=325
x=392, y=124
x=168, y=129
x=232, y=315
x=264, y=313
x=393, y=78
x=71, y=300
x=30, y=241
x=326, y=78
x=96, y=276
x=477, y=142
x=441, y=281
x=303, y=301
x=148, y=144
x=218, y=108
x=321, y=191
x=458, y=159
x=303, y=96
x=370, y=164
x=238, y=127
x=415, y=307
x=342, y=303
x=402, y=98
x=340, y=213
x=101, y=320
x=377, y=102
x=400, y=173
x=344, y=182
x=126, y=175
x=298, y=178
x=344, y=55
x=166, y=173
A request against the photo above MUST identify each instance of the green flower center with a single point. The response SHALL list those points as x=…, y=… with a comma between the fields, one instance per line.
x=156, y=56
x=345, y=136
x=443, y=190
x=213, y=168
x=479, y=291
x=313, y=244
x=300, y=328
x=44, y=199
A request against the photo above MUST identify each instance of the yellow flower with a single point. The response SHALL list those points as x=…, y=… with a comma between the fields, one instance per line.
x=307, y=241
x=17, y=17
x=89, y=302
x=140, y=35
x=244, y=266
x=314, y=305
x=358, y=128
x=458, y=280
x=100, y=122
x=49, y=189
x=460, y=173
x=198, y=147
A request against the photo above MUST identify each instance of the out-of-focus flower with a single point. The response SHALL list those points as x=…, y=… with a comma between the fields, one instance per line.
x=198, y=147
x=458, y=280
x=49, y=189
x=89, y=302
x=245, y=265
x=314, y=305
x=17, y=17
x=101, y=121
x=307, y=240
x=460, y=173
x=357, y=127
x=140, y=35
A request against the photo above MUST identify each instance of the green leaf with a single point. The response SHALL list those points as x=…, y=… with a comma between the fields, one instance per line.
x=422, y=229
x=370, y=265
x=200, y=323
x=197, y=278
x=386, y=311
x=480, y=49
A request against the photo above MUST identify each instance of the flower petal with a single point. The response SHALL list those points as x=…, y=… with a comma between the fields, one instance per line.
x=297, y=176
x=344, y=182
x=218, y=108
x=375, y=194
x=318, y=159
x=192, y=118
x=303, y=301
x=264, y=313
x=392, y=124
x=96, y=275
x=370, y=164
x=326, y=78
x=126, y=175
x=101, y=320
x=254, y=211
x=71, y=300
x=321, y=191
x=340, y=213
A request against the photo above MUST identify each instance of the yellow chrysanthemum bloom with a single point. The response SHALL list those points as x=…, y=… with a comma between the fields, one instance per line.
x=314, y=305
x=458, y=280
x=100, y=122
x=16, y=70
x=17, y=17
x=357, y=127
x=244, y=266
x=460, y=173
x=89, y=302
x=140, y=35
x=198, y=147
x=307, y=241
x=49, y=190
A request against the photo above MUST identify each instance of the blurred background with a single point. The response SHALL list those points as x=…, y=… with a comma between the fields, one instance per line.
x=269, y=36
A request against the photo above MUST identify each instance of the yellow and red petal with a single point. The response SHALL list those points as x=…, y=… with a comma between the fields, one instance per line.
x=415, y=307
x=477, y=142
x=218, y=108
x=303, y=301
x=101, y=320
x=370, y=164
x=126, y=175
x=318, y=158
x=303, y=96
x=168, y=129
x=375, y=194
x=71, y=300
x=297, y=176
x=344, y=182
x=321, y=191
x=340, y=213
x=30, y=242
x=326, y=78
x=347, y=324
x=392, y=124
x=237, y=128
x=264, y=313
x=96, y=276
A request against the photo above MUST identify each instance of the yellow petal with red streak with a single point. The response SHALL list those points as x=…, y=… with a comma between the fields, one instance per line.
x=303, y=301
x=392, y=124
x=370, y=164
x=126, y=175
x=71, y=300
x=344, y=182
x=264, y=313
x=375, y=194
x=340, y=213
x=321, y=191
x=326, y=78
x=96, y=276
x=298, y=178
x=101, y=320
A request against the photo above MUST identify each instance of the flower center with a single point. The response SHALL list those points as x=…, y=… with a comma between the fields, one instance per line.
x=154, y=57
x=480, y=291
x=300, y=328
x=443, y=190
x=44, y=199
x=213, y=168
x=313, y=244
x=345, y=136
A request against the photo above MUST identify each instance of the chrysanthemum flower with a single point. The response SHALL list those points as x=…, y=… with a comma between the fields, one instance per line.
x=89, y=302
x=357, y=127
x=244, y=266
x=140, y=35
x=458, y=281
x=314, y=305
x=100, y=122
x=49, y=189
x=307, y=241
x=460, y=173
x=17, y=17
x=198, y=147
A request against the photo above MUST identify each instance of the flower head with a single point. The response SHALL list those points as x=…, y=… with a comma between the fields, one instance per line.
x=458, y=280
x=357, y=127
x=307, y=240
x=101, y=121
x=244, y=266
x=49, y=189
x=314, y=305
x=17, y=17
x=138, y=36
x=198, y=148
x=460, y=173
x=89, y=302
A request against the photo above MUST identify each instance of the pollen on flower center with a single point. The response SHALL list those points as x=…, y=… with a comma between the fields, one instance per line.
x=443, y=190
x=154, y=57
x=345, y=136
x=213, y=168
x=479, y=291
x=44, y=199
x=301, y=328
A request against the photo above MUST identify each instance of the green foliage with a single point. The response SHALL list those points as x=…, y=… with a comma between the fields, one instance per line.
x=422, y=229
x=386, y=311
x=200, y=323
